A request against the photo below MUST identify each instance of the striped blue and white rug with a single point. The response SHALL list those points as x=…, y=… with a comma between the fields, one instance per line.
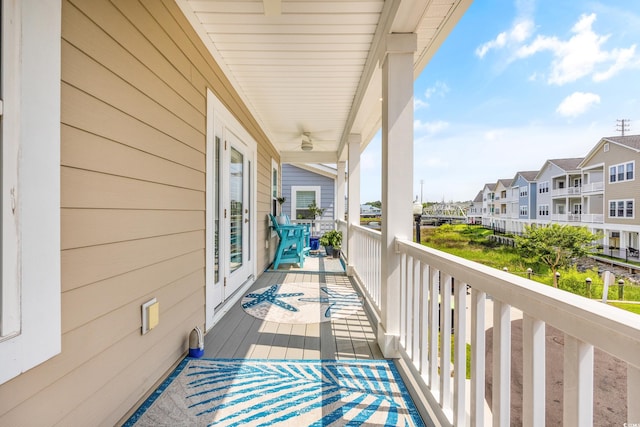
x=231, y=392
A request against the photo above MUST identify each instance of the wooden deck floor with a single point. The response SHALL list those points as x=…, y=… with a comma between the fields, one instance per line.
x=240, y=335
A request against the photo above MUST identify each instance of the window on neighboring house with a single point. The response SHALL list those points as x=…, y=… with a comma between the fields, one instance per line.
x=621, y=172
x=577, y=209
x=621, y=209
x=543, y=210
x=274, y=188
x=302, y=197
x=543, y=187
x=524, y=191
x=30, y=306
x=524, y=210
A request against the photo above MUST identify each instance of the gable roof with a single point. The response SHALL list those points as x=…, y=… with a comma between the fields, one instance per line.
x=567, y=165
x=505, y=182
x=478, y=197
x=527, y=175
x=489, y=186
x=631, y=142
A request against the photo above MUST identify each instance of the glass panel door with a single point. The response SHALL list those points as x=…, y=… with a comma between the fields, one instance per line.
x=236, y=198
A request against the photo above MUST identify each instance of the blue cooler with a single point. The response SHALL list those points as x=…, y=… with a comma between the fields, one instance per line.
x=314, y=243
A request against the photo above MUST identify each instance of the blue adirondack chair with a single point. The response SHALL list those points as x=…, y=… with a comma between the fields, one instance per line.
x=293, y=245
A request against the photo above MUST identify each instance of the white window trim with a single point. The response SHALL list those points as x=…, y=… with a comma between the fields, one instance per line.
x=275, y=166
x=294, y=191
x=34, y=267
x=624, y=212
x=624, y=177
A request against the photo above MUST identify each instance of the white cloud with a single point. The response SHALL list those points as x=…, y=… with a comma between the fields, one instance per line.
x=520, y=31
x=429, y=127
x=419, y=104
x=577, y=103
x=438, y=89
x=623, y=59
x=494, y=134
x=581, y=55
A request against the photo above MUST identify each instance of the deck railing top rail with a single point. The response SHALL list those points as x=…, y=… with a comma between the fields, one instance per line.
x=590, y=321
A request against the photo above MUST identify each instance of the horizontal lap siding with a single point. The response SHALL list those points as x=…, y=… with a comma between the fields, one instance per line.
x=295, y=176
x=133, y=179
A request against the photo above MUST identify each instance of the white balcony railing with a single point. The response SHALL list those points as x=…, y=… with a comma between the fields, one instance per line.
x=559, y=217
x=318, y=226
x=588, y=218
x=593, y=218
x=568, y=191
x=432, y=279
x=366, y=259
x=593, y=187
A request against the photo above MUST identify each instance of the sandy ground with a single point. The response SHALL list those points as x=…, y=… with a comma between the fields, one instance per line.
x=610, y=380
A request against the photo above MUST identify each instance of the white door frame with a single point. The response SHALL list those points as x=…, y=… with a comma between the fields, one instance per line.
x=219, y=121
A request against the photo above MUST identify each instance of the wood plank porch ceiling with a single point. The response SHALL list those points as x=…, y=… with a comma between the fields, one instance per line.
x=312, y=65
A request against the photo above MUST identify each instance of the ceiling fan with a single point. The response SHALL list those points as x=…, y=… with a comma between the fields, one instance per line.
x=307, y=143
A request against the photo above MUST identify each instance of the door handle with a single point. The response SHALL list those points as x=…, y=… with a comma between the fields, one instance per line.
x=246, y=220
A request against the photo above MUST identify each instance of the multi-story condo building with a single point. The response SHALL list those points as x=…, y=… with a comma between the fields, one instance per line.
x=502, y=203
x=474, y=214
x=598, y=191
x=488, y=204
x=559, y=182
x=525, y=186
x=610, y=191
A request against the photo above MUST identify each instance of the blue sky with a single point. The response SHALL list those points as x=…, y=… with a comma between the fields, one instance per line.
x=517, y=83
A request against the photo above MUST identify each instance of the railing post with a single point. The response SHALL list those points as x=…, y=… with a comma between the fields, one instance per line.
x=354, y=199
x=633, y=391
x=397, y=177
x=533, y=371
x=501, y=382
x=478, y=299
x=578, y=383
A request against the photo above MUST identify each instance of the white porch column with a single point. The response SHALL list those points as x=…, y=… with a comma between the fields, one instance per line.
x=397, y=178
x=354, y=196
x=340, y=191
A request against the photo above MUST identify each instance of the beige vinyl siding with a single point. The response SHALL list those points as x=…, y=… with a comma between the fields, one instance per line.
x=133, y=161
x=626, y=190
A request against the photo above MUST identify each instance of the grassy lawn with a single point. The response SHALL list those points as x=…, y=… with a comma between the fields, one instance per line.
x=470, y=242
x=634, y=308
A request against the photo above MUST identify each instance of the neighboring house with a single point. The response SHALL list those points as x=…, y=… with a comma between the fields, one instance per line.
x=474, y=214
x=553, y=195
x=502, y=203
x=610, y=190
x=488, y=204
x=524, y=185
x=369, y=211
x=306, y=184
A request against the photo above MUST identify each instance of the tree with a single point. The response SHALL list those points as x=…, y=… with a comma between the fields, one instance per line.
x=555, y=245
x=376, y=204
